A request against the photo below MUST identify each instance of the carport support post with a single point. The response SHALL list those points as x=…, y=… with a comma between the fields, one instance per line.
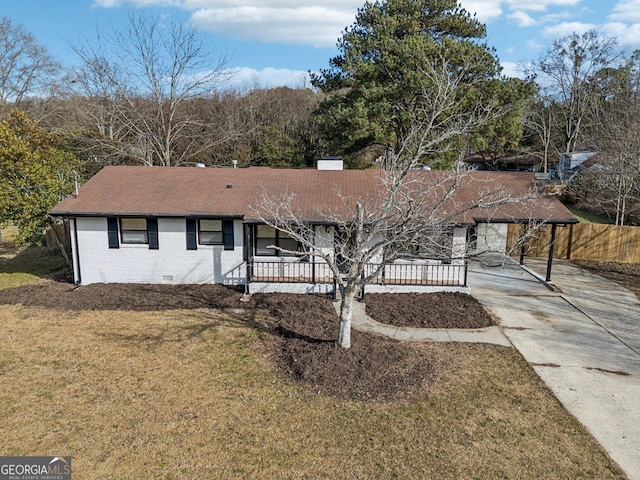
x=553, y=241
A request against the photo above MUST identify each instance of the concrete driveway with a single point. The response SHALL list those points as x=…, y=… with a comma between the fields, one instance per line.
x=582, y=339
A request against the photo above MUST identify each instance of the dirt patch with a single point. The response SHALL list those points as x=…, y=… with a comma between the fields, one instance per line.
x=120, y=296
x=303, y=330
x=428, y=310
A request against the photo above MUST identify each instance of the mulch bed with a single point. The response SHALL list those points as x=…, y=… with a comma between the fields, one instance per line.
x=303, y=327
x=427, y=310
x=374, y=368
x=121, y=296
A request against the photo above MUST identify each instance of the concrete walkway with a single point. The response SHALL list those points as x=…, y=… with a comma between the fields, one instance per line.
x=582, y=338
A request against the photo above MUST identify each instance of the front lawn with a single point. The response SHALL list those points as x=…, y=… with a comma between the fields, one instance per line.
x=202, y=387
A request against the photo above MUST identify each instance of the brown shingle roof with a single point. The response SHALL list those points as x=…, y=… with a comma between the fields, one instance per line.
x=182, y=191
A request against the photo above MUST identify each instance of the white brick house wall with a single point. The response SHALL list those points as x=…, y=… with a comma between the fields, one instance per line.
x=171, y=263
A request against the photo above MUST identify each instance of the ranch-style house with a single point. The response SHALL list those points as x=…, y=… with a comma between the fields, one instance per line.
x=178, y=225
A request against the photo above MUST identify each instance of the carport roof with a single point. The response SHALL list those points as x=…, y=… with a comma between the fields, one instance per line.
x=232, y=192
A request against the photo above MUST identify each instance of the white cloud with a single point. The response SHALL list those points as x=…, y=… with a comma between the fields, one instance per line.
x=286, y=21
x=540, y=5
x=534, y=45
x=320, y=24
x=485, y=10
x=244, y=78
x=511, y=69
x=489, y=9
x=567, y=28
x=302, y=25
x=522, y=19
x=626, y=34
x=554, y=17
x=626, y=11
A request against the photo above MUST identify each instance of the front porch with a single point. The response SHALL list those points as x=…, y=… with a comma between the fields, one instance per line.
x=415, y=275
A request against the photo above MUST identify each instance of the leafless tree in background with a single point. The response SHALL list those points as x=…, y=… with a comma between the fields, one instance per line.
x=140, y=82
x=27, y=70
x=566, y=73
x=611, y=181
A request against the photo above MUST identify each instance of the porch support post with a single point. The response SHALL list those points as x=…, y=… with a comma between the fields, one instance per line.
x=466, y=272
x=522, y=248
x=248, y=236
x=550, y=261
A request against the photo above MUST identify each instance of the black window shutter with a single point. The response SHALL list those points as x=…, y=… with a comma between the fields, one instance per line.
x=247, y=247
x=152, y=231
x=192, y=243
x=227, y=234
x=112, y=229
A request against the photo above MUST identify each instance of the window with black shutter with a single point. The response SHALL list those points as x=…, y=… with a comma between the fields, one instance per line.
x=133, y=230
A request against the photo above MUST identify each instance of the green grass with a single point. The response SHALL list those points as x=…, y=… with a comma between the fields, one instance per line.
x=21, y=265
x=588, y=217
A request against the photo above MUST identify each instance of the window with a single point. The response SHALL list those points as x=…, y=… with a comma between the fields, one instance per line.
x=143, y=231
x=436, y=244
x=210, y=232
x=267, y=236
x=134, y=230
x=285, y=241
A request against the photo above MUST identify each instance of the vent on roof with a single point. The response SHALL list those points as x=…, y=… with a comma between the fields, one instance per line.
x=330, y=163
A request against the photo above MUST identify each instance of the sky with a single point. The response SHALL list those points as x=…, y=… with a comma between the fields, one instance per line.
x=276, y=42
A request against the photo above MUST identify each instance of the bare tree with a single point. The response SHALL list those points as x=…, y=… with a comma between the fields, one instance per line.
x=139, y=82
x=411, y=210
x=566, y=72
x=611, y=181
x=26, y=68
x=540, y=119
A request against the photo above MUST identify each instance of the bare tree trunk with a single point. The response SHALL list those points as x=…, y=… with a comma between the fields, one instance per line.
x=346, y=313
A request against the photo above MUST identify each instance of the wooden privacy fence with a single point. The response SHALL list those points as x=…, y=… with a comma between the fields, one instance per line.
x=582, y=241
x=62, y=231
